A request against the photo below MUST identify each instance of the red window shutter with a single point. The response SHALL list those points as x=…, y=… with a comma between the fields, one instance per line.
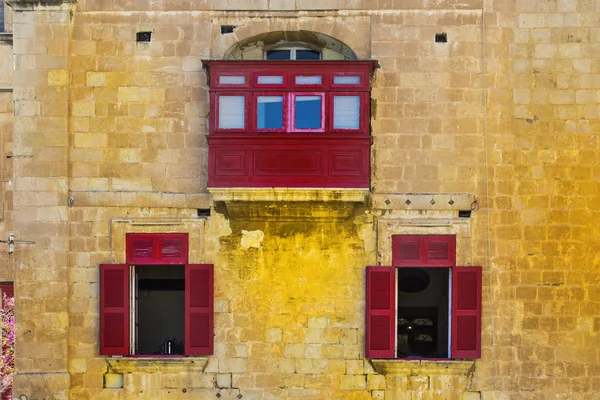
x=157, y=248
x=173, y=248
x=199, y=309
x=439, y=250
x=7, y=289
x=423, y=250
x=114, y=309
x=406, y=250
x=381, y=312
x=141, y=248
x=466, y=312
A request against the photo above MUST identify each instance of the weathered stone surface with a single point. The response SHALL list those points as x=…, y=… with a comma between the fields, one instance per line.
x=504, y=113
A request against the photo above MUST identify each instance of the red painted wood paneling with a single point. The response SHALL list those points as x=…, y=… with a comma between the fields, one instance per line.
x=199, y=309
x=114, y=309
x=424, y=250
x=466, y=312
x=157, y=248
x=381, y=312
x=293, y=160
x=290, y=157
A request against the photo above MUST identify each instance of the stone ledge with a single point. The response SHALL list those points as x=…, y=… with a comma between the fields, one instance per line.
x=24, y=5
x=126, y=365
x=289, y=194
x=140, y=199
x=422, y=367
x=423, y=201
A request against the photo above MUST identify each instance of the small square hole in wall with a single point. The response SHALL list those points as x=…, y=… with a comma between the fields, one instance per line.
x=464, y=214
x=143, y=37
x=441, y=37
x=227, y=29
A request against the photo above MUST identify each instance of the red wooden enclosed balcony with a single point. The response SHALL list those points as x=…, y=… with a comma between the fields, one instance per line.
x=289, y=124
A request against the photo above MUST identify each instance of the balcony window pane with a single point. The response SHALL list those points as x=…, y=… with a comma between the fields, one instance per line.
x=232, y=80
x=346, y=112
x=279, y=54
x=308, y=112
x=270, y=80
x=309, y=80
x=346, y=80
x=308, y=55
x=270, y=112
x=231, y=112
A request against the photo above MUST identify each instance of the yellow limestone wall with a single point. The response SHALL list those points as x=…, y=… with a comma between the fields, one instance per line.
x=506, y=112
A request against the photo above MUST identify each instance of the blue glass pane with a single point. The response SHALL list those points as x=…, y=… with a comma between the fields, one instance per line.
x=270, y=112
x=308, y=55
x=278, y=54
x=308, y=112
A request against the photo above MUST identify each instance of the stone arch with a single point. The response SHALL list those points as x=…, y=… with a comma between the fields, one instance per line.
x=253, y=48
x=340, y=37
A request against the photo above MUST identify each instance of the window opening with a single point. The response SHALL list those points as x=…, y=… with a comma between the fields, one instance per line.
x=270, y=80
x=231, y=112
x=423, y=308
x=279, y=55
x=346, y=80
x=159, y=310
x=308, y=112
x=293, y=53
x=346, y=112
x=308, y=55
x=269, y=112
x=232, y=80
x=309, y=80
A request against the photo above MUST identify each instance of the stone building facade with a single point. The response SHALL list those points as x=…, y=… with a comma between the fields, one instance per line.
x=483, y=127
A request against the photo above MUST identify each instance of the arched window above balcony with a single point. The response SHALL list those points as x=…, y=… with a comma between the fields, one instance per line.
x=302, y=45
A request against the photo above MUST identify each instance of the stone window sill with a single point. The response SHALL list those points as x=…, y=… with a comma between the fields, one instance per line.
x=422, y=367
x=289, y=194
x=156, y=364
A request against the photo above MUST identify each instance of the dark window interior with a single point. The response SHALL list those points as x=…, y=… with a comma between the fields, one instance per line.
x=279, y=54
x=423, y=312
x=308, y=55
x=160, y=303
x=286, y=54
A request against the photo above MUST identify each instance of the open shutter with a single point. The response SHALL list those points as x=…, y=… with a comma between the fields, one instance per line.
x=466, y=312
x=114, y=309
x=199, y=309
x=381, y=312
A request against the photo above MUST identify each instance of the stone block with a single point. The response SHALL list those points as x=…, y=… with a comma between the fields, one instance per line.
x=223, y=380
x=353, y=382
x=96, y=78
x=274, y=335
x=113, y=381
